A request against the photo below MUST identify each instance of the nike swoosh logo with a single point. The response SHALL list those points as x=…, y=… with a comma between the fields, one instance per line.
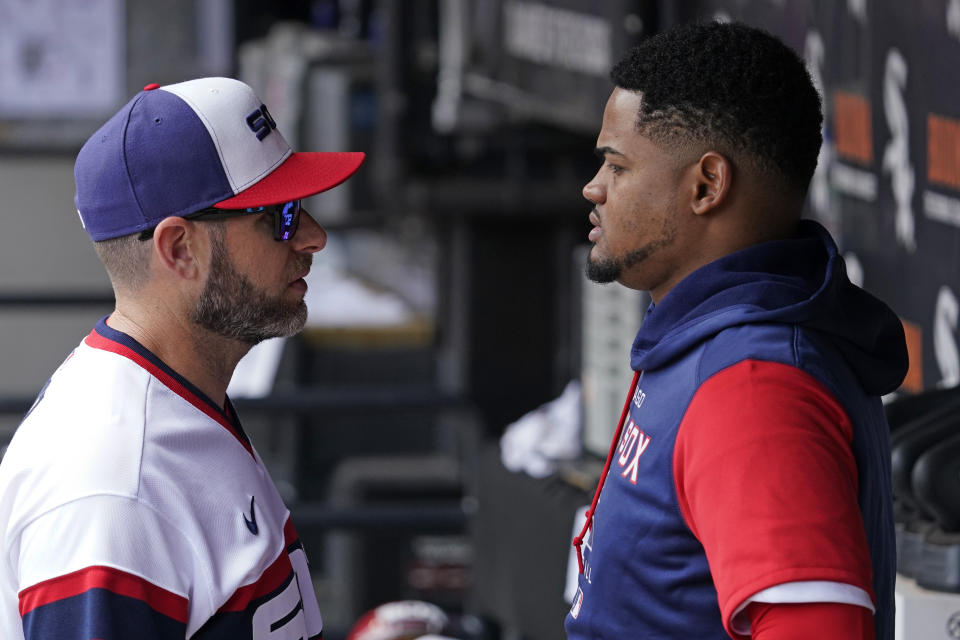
x=251, y=522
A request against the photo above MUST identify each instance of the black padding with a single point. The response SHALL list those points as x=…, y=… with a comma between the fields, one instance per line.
x=911, y=441
x=905, y=409
x=936, y=482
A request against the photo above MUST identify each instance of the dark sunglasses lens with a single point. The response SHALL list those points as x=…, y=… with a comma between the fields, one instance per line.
x=288, y=220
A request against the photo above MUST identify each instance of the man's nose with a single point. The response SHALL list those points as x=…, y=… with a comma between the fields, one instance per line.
x=310, y=236
x=594, y=191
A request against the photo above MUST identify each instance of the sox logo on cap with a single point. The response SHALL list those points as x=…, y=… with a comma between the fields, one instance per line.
x=261, y=123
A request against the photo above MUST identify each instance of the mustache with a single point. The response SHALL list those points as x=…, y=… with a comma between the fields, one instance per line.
x=302, y=263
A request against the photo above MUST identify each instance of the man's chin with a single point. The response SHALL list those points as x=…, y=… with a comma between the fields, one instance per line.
x=283, y=322
x=299, y=322
x=294, y=319
x=602, y=271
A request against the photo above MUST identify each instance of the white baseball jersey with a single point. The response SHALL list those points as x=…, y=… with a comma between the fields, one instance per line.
x=132, y=506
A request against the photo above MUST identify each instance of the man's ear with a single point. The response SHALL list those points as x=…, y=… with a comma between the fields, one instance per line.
x=713, y=177
x=177, y=245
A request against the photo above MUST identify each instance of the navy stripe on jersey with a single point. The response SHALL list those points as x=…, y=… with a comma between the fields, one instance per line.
x=102, y=603
x=106, y=338
x=266, y=606
x=270, y=582
x=257, y=618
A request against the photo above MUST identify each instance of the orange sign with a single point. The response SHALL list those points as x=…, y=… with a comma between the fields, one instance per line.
x=943, y=151
x=914, y=335
x=852, y=127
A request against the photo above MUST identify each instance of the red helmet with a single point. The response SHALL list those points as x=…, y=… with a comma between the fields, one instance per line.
x=402, y=620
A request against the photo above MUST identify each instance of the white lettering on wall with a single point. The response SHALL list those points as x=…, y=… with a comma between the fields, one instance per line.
x=558, y=37
x=941, y=208
x=854, y=182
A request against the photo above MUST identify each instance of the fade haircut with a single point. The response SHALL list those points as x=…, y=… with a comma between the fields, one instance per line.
x=730, y=85
x=127, y=260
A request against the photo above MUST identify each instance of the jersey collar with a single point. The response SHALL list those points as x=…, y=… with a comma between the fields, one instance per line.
x=106, y=338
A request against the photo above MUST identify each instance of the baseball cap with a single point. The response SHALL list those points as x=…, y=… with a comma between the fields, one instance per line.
x=180, y=148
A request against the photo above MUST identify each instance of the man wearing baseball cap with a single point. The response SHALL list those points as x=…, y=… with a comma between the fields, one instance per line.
x=132, y=503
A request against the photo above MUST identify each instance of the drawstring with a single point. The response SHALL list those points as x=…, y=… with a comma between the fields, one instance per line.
x=578, y=541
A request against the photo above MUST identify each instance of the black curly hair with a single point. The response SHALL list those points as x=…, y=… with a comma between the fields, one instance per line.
x=731, y=85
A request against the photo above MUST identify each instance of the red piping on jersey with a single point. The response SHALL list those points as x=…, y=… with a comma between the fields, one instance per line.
x=96, y=341
x=165, y=602
x=289, y=533
x=272, y=578
x=588, y=516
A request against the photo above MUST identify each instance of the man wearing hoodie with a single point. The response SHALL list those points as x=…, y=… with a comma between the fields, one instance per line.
x=747, y=490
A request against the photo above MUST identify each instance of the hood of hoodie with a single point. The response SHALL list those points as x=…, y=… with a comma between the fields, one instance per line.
x=802, y=281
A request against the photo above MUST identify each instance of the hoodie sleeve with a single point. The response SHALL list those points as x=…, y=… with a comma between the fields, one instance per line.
x=767, y=482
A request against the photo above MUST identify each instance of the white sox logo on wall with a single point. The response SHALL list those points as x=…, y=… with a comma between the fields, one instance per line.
x=953, y=18
x=813, y=54
x=896, y=156
x=945, y=318
x=845, y=161
x=854, y=268
x=858, y=9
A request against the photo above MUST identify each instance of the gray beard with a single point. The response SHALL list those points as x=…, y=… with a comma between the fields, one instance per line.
x=231, y=306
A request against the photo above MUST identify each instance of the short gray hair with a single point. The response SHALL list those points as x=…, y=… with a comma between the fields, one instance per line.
x=127, y=260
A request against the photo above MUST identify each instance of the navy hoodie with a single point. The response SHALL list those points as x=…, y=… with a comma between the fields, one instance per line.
x=755, y=452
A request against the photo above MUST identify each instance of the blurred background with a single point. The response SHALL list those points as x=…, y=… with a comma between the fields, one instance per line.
x=445, y=414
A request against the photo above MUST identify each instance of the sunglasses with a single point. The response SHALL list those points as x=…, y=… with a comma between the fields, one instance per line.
x=286, y=218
